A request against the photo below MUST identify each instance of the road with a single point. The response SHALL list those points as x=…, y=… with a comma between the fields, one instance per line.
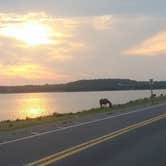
x=133, y=138
x=144, y=147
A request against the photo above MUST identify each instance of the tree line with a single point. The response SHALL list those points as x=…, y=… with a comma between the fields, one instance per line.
x=86, y=85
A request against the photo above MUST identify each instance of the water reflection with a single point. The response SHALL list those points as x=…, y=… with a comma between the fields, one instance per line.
x=32, y=106
x=20, y=106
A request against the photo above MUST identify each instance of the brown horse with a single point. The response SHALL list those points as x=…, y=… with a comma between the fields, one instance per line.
x=104, y=102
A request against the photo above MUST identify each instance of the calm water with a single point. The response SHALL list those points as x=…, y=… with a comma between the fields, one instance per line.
x=13, y=106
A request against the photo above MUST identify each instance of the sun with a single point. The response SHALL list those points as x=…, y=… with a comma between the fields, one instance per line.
x=30, y=33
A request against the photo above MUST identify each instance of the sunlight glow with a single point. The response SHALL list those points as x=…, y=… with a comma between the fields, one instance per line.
x=34, y=112
x=32, y=106
x=32, y=46
x=29, y=33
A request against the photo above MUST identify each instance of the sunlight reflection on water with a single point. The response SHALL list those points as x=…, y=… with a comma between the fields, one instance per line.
x=33, y=107
x=20, y=106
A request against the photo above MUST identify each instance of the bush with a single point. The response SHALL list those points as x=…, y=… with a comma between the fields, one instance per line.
x=57, y=114
x=11, y=125
x=17, y=120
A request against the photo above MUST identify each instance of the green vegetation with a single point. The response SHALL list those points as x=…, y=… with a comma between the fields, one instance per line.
x=69, y=117
x=55, y=117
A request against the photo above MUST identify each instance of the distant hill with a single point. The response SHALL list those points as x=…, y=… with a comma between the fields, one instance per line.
x=85, y=85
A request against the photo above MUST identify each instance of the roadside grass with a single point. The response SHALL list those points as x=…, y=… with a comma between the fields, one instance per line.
x=65, y=119
x=142, y=102
x=68, y=117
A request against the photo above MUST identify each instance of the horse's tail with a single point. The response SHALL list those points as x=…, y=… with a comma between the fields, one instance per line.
x=101, y=102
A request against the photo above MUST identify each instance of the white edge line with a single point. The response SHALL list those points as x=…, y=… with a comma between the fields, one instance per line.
x=35, y=133
x=78, y=125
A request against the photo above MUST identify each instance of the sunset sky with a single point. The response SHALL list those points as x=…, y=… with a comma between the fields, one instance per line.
x=55, y=41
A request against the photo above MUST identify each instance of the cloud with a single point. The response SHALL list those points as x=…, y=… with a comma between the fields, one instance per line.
x=80, y=46
x=25, y=38
x=33, y=26
x=26, y=50
x=103, y=22
x=25, y=70
x=86, y=7
x=29, y=72
x=155, y=45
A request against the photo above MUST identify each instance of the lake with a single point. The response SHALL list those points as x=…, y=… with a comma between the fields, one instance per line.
x=13, y=106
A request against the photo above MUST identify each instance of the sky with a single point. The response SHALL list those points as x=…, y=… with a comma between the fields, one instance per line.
x=56, y=41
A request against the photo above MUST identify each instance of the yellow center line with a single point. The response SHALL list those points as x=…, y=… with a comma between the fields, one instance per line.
x=65, y=153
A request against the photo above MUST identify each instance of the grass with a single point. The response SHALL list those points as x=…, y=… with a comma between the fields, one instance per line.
x=64, y=118
x=67, y=118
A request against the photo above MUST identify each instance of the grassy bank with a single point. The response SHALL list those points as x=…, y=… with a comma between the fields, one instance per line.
x=67, y=118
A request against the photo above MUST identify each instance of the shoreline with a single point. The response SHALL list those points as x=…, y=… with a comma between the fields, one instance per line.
x=22, y=92
x=9, y=125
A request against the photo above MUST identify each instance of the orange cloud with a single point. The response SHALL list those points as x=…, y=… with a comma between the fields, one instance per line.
x=32, y=28
x=27, y=71
x=32, y=44
x=29, y=74
x=27, y=37
x=155, y=45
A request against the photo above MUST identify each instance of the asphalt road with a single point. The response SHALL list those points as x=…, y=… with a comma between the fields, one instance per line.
x=145, y=146
x=142, y=146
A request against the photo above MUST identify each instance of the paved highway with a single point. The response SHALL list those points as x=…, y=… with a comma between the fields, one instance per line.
x=133, y=138
x=145, y=146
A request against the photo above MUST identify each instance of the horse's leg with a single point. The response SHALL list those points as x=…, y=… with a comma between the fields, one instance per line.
x=101, y=105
